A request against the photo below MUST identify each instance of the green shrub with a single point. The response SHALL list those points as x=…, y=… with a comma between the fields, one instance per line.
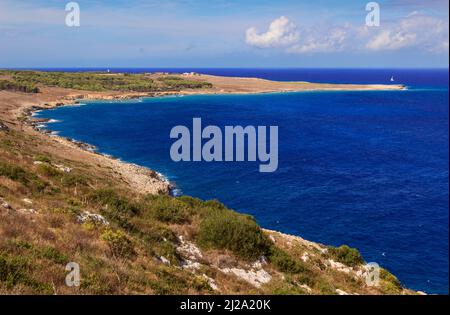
x=285, y=263
x=114, y=202
x=171, y=212
x=172, y=282
x=168, y=250
x=48, y=170
x=18, y=174
x=37, y=184
x=237, y=233
x=191, y=202
x=214, y=204
x=54, y=255
x=153, y=233
x=119, y=243
x=15, y=270
x=17, y=87
x=14, y=172
x=346, y=255
x=174, y=82
x=70, y=180
x=391, y=280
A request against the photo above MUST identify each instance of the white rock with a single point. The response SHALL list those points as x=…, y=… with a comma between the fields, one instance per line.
x=341, y=292
x=305, y=257
x=6, y=205
x=211, y=283
x=63, y=168
x=306, y=288
x=323, y=250
x=339, y=266
x=164, y=260
x=28, y=201
x=259, y=263
x=254, y=277
x=189, y=249
x=32, y=211
x=86, y=216
x=190, y=264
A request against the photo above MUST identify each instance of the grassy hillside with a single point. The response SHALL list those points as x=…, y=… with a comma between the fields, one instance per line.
x=146, y=244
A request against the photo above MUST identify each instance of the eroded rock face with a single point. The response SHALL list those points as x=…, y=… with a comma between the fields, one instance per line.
x=191, y=254
x=256, y=277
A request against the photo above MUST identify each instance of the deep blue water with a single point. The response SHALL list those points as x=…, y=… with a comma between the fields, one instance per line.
x=417, y=78
x=367, y=169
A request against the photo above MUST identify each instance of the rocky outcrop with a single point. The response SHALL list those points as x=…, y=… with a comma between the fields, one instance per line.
x=3, y=127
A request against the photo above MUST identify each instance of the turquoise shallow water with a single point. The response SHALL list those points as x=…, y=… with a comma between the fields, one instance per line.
x=367, y=169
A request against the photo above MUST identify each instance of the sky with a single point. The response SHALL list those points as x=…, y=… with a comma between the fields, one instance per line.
x=220, y=33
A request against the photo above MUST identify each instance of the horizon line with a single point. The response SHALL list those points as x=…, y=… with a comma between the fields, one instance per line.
x=224, y=68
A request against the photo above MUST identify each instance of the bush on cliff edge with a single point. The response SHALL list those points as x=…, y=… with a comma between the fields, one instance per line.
x=235, y=232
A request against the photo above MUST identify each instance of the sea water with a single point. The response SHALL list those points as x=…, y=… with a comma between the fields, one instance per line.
x=367, y=169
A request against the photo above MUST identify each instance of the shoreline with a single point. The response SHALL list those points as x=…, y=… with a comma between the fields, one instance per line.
x=139, y=178
x=139, y=174
x=167, y=186
x=155, y=178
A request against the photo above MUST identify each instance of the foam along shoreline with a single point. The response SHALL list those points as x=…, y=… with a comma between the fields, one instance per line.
x=144, y=180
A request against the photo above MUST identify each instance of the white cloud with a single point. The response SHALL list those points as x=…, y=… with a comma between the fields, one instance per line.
x=334, y=41
x=415, y=31
x=392, y=40
x=281, y=33
x=419, y=31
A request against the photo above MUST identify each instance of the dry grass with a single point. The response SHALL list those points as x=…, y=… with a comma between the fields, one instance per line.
x=125, y=257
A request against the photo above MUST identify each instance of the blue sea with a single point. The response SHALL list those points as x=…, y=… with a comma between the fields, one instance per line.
x=367, y=169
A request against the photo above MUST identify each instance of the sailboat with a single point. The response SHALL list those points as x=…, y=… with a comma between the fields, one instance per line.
x=392, y=79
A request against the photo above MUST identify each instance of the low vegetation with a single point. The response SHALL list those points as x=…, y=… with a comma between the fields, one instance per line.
x=173, y=82
x=27, y=179
x=346, y=255
x=225, y=229
x=143, y=244
x=28, y=81
x=18, y=87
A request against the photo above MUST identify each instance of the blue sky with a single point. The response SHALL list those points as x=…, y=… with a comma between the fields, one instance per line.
x=219, y=33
